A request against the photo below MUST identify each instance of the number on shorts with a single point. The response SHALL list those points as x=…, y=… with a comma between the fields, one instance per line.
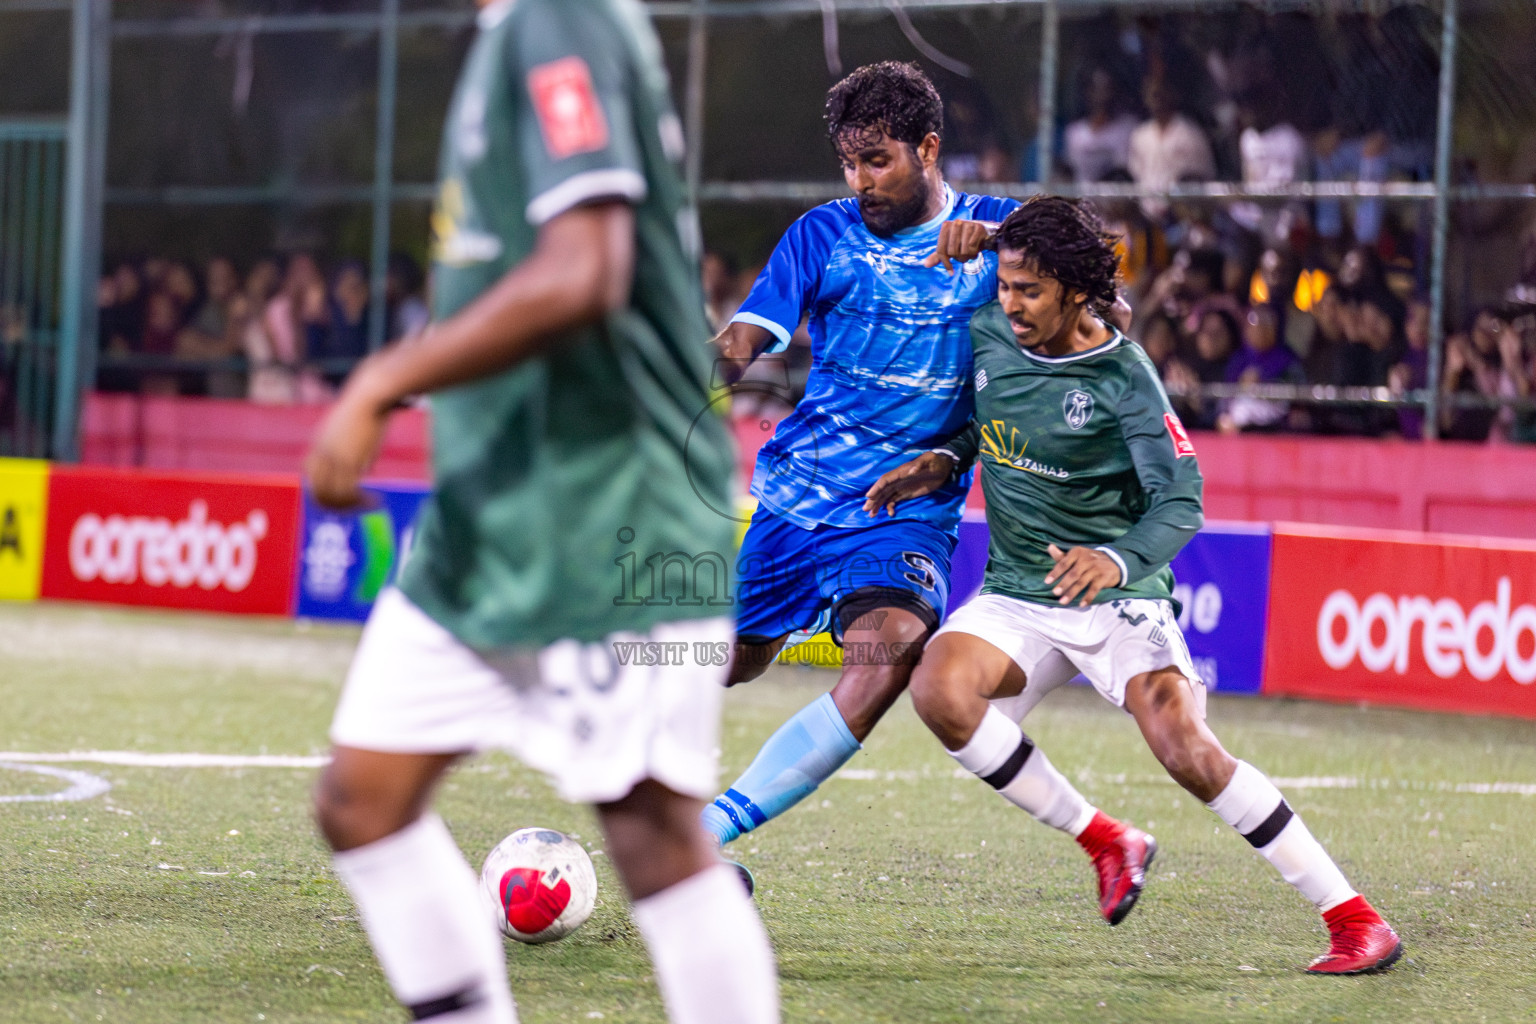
x=599, y=668
x=927, y=575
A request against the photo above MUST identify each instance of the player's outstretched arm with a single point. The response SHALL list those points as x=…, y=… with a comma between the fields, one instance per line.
x=740, y=343
x=913, y=479
x=581, y=269
x=961, y=241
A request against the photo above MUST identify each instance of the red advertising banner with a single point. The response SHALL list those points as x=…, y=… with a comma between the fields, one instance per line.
x=1418, y=620
x=171, y=540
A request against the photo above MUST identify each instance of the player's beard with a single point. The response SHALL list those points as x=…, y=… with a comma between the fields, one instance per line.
x=886, y=217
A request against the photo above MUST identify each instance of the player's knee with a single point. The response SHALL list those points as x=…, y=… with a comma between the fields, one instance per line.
x=945, y=704
x=654, y=839
x=744, y=672
x=1166, y=694
x=348, y=820
x=749, y=662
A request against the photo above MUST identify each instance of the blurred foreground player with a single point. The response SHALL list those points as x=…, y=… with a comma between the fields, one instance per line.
x=1092, y=487
x=891, y=377
x=569, y=365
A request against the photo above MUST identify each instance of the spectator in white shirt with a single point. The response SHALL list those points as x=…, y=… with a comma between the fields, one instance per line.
x=1168, y=147
x=1100, y=142
x=1273, y=153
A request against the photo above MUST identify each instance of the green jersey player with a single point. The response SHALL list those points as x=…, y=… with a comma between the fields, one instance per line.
x=1092, y=487
x=571, y=440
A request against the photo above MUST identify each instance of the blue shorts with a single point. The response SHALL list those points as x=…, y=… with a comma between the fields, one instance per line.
x=791, y=579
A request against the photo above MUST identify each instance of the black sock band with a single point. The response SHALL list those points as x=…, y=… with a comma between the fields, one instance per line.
x=447, y=1004
x=1011, y=767
x=1272, y=826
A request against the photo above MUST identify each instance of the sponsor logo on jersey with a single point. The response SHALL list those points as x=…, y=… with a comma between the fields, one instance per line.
x=1001, y=442
x=981, y=379
x=1077, y=406
x=878, y=262
x=1181, y=442
x=453, y=243
x=469, y=127
x=570, y=117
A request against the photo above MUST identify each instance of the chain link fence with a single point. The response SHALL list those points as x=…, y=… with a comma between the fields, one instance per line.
x=1301, y=150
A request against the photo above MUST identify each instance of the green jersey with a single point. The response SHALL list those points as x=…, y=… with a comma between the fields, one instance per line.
x=1077, y=451
x=576, y=493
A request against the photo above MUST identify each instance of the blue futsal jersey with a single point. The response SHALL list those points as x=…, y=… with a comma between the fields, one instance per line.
x=890, y=359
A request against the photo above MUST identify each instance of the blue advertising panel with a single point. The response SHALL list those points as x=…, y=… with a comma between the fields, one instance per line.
x=346, y=558
x=968, y=564
x=1223, y=583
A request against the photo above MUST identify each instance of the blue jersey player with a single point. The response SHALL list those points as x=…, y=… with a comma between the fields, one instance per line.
x=889, y=280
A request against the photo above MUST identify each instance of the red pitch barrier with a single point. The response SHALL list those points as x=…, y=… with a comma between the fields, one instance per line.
x=1433, y=621
x=171, y=540
x=1488, y=490
x=1449, y=487
x=214, y=435
x=1417, y=620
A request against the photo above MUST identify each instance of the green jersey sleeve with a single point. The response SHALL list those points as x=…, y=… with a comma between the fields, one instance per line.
x=571, y=76
x=1165, y=464
x=964, y=446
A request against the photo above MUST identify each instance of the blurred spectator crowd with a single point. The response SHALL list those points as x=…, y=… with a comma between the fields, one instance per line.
x=284, y=331
x=1322, y=294
x=1234, y=301
x=1362, y=327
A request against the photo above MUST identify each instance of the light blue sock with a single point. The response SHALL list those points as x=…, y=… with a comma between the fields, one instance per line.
x=802, y=755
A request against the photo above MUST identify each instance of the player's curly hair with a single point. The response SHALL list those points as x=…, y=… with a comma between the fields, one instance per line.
x=1064, y=239
x=890, y=96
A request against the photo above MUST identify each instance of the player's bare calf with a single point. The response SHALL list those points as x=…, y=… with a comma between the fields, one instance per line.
x=1170, y=710
x=953, y=689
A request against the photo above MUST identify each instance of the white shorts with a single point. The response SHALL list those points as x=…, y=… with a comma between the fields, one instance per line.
x=598, y=718
x=1110, y=643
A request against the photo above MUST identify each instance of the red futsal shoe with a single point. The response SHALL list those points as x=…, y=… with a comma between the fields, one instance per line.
x=1360, y=942
x=1121, y=854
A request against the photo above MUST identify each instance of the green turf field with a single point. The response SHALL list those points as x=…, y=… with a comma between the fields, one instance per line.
x=898, y=893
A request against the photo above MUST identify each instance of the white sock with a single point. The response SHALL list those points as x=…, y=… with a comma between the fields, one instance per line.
x=1007, y=761
x=1252, y=805
x=420, y=905
x=713, y=962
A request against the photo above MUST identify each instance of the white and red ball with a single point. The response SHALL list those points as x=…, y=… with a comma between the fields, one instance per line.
x=539, y=885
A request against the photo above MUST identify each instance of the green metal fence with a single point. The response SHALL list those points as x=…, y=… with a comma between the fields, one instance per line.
x=31, y=280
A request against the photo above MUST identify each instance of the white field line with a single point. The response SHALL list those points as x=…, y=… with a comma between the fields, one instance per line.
x=1298, y=782
x=134, y=759
x=82, y=785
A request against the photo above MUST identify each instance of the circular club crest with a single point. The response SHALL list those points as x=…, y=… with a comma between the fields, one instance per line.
x=1077, y=406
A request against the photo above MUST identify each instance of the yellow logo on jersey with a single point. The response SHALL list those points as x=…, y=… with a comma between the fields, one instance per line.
x=1001, y=443
x=453, y=244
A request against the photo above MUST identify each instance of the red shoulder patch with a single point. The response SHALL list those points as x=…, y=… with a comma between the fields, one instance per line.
x=570, y=117
x=1181, y=443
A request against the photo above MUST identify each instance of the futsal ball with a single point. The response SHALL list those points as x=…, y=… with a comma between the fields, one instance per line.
x=539, y=885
